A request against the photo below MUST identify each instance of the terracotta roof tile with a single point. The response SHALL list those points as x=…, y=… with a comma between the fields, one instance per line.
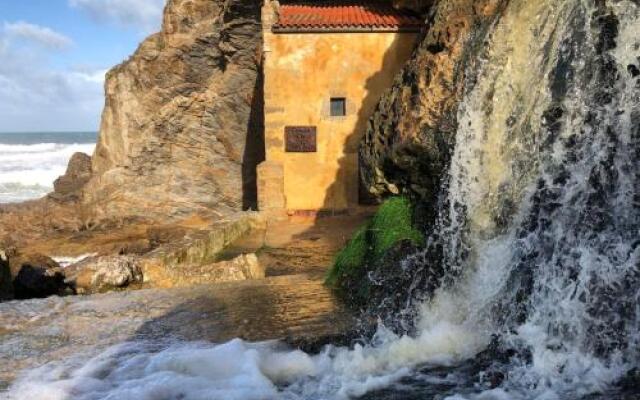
x=351, y=15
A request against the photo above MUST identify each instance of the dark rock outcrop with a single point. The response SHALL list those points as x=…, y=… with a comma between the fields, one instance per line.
x=35, y=276
x=6, y=284
x=416, y=5
x=382, y=291
x=179, y=132
x=410, y=136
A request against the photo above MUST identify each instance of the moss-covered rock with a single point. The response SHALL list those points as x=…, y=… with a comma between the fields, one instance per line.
x=368, y=272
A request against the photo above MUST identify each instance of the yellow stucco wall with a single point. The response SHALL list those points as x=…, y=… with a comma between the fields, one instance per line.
x=303, y=71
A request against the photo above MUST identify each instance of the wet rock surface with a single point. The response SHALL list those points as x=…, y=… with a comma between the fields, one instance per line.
x=298, y=307
x=386, y=285
x=298, y=246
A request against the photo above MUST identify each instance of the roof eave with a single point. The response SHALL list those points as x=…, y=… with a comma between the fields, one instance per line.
x=346, y=29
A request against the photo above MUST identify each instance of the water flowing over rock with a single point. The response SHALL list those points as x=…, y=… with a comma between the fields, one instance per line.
x=538, y=228
x=179, y=128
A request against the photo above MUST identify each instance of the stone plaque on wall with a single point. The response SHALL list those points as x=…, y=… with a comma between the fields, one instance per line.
x=300, y=139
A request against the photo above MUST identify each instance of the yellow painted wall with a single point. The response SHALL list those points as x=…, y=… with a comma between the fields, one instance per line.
x=303, y=71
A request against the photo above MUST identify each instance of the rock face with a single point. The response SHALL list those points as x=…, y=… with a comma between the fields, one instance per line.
x=70, y=185
x=410, y=136
x=181, y=128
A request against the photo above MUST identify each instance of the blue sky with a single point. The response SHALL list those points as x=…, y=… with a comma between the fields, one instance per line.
x=54, y=54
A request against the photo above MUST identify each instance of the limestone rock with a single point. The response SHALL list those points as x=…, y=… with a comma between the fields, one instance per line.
x=35, y=276
x=103, y=274
x=182, y=122
x=243, y=267
x=409, y=139
x=70, y=185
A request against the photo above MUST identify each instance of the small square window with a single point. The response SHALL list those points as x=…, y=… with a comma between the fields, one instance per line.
x=338, y=106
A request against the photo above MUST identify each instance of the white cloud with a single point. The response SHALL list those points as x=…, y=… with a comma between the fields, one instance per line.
x=146, y=15
x=95, y=76
x=35, y=96
x=39, y=34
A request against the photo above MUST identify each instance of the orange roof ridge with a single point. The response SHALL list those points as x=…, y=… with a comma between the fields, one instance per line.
x=344, y=16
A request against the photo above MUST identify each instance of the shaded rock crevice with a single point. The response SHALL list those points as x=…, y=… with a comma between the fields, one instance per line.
x=409, y=140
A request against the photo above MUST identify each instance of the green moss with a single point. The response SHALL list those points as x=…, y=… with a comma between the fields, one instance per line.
x=350, y=258
x=391, y=224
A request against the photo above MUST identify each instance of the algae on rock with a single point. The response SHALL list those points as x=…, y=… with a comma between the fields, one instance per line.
x=391, y=227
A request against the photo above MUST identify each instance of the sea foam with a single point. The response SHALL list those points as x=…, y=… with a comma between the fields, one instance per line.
x=27, y=171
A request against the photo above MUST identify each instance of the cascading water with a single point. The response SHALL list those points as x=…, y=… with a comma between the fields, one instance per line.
x=545, y=173
x=541, y=239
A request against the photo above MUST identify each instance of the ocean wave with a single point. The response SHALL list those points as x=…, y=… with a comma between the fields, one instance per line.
x=30, y=148
x=27, y=171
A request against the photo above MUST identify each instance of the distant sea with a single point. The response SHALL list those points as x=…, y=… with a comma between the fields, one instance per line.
x=30, y=162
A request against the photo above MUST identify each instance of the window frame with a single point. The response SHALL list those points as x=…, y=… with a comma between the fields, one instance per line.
x=343, y=103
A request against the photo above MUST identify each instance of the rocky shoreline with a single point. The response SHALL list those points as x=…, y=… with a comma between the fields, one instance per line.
x=160, y=256
x=245, y=279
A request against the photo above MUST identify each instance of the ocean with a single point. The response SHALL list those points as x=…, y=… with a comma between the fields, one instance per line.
x=31, y=162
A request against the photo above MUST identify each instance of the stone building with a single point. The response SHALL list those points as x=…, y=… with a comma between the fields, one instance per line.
x=326, y=65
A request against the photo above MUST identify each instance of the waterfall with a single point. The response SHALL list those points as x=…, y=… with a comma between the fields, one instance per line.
x=544, y=197
x=540, y=231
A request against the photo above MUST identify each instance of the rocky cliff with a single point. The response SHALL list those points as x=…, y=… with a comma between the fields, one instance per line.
x=410, y=136
x=181, y=127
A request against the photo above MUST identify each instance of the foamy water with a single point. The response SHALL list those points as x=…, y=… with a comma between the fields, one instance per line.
x=31, y=162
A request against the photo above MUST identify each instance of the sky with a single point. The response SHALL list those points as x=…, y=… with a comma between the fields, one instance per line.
x=54, y=55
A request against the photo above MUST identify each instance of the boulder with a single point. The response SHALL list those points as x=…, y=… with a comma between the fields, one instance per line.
x=104, y=274
x=35, y=276
x=70, y=185
x=243, y=267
